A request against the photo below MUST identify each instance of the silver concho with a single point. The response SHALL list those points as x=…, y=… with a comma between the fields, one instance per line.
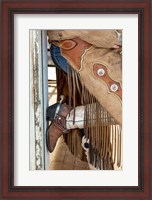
x=101, y=72
x=114, y=87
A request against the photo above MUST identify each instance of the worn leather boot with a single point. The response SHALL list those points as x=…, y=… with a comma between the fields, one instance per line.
x=57, y=114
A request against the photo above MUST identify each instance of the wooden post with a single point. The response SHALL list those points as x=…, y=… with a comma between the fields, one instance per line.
x=39, y=157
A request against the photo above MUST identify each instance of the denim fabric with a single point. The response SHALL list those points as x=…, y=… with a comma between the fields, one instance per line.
x=58, y=59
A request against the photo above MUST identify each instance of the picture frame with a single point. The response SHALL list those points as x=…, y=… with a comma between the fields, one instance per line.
x=9, y=9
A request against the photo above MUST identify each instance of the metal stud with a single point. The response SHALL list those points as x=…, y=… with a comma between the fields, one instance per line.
x=101, y=72
x=114, y=87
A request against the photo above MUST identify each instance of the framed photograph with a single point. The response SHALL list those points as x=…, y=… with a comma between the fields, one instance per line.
x=75, y=82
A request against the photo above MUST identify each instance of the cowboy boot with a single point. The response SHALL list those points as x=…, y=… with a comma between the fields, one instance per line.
x=57, y=114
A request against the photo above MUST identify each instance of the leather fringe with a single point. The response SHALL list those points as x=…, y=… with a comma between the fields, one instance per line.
x=101, y=129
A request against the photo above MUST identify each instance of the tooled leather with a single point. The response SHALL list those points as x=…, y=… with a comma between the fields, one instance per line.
x=68, y=44
x=64, y=110
x=112, y=60
x=74, y=55
x=60, y=122
x=58, y=126
x=106, y=78
x=54, y=133
x=97, y=86
x=107, y=57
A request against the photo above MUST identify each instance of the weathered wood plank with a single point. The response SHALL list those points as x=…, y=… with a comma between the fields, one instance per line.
x=38, y=99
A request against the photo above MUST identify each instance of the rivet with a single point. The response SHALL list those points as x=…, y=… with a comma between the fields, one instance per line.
x=101, y=72
x=114, y=87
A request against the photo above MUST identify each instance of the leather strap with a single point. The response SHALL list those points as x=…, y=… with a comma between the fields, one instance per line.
x=60, y=120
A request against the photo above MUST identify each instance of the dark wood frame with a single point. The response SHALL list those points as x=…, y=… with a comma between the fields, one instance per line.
x=11, y=7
